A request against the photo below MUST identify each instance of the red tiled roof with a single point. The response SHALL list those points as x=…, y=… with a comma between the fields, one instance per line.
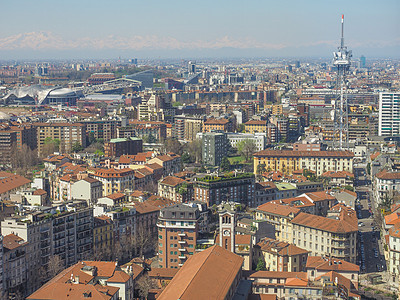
x=322, y=223
x=9, y=182
x=330, y=264
x=172, y=181
x=12, y=241
x=281, y=210
x=205, y=275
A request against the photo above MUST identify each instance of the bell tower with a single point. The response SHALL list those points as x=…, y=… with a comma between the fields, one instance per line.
x=227, y=222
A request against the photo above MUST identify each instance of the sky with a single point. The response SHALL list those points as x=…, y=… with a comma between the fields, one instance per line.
x=207, y=28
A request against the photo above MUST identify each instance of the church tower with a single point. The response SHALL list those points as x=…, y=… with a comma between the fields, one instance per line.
x=227, y=222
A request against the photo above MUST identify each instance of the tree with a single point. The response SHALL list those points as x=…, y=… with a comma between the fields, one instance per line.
x=261, y=168
x=260, y=265
x=349, y=188
x=143, y=240
x=173, y=145
x=369, y=168
x=194, y=149
x=241, y=128
x=55, y=266
x=246, y=148
x=225, y=164
x=186, y=158
x=144, y=285
x=50, y=146
x=76, y=147
x=23, y=158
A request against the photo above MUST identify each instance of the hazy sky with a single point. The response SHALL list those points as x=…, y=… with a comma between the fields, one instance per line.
x=85, y=28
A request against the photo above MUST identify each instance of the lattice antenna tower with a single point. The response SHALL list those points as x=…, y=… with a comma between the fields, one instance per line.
x=342, y=62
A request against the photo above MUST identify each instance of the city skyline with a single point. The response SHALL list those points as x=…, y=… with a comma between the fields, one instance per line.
x=175, y=29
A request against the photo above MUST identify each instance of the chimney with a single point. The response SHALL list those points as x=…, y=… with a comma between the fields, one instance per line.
x=76, y=281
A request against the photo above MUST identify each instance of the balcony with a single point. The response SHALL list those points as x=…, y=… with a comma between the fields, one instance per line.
x=182, y=257
x=182, y=234
x=182, y=249
x=181, y=242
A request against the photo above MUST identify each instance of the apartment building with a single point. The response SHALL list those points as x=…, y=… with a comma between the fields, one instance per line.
x=280, y=256
x=103, y=233
x=187, y=127
x=64, y=230
x=319, y=265
x=175, y=189
x=177, y=235
x=115, y=180
x=67, y=133
x=121, y=146
x=102, y=129
x=394, y=250
x=286, y=285
x=389, y=114
x=93, y=280
x=325, y=236
x=14, y=265
x=8, y=139
x=239, y=187
x=260, y=139
x=88, y=189
x=141, y=129
x=287, y=161
x=223, y=125
x=256, y=126
x=214, y=147
x=170, y=162
x=386, y=184
x=280, y=216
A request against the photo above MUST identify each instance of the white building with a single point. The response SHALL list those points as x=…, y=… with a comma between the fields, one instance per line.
x=386, y=183
x=389, y=114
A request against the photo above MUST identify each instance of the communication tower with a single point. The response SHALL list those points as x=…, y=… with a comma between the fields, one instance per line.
x=342, y=62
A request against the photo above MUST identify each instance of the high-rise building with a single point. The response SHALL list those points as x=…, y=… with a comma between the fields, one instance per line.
x=214, y=148
x=191, y=67
x=67, y=133
x=389, y=114
x=177, y=234
x=362, y=61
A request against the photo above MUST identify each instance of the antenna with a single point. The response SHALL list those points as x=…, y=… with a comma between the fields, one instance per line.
x=341, y=60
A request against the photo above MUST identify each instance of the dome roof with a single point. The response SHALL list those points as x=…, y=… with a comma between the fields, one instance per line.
x=62, y=92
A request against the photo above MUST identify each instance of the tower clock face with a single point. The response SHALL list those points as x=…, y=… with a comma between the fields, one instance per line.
x=227, y=233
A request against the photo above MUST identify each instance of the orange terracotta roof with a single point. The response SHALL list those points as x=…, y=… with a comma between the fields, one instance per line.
x=9, y=182
x=296, y=282
x=392, y=219
x=12, y=241
x=276, y=209
x=338, y=174
x=322, y=223
x=39, y=192
x=116, y=196
x=162, y=272
x=384, y=174
x=119, y=276
x=172, y=181
x=297, y=202
x=213, y=121
x=330, y=264
x=242, y=239
x=205, y=275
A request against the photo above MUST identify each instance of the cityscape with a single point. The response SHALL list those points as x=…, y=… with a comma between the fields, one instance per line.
x=243, y=157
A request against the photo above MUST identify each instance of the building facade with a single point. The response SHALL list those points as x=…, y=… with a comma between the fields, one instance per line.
x=177, y=235
x=389, y=114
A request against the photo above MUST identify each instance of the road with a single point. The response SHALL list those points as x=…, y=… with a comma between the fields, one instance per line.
x=370, y=255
